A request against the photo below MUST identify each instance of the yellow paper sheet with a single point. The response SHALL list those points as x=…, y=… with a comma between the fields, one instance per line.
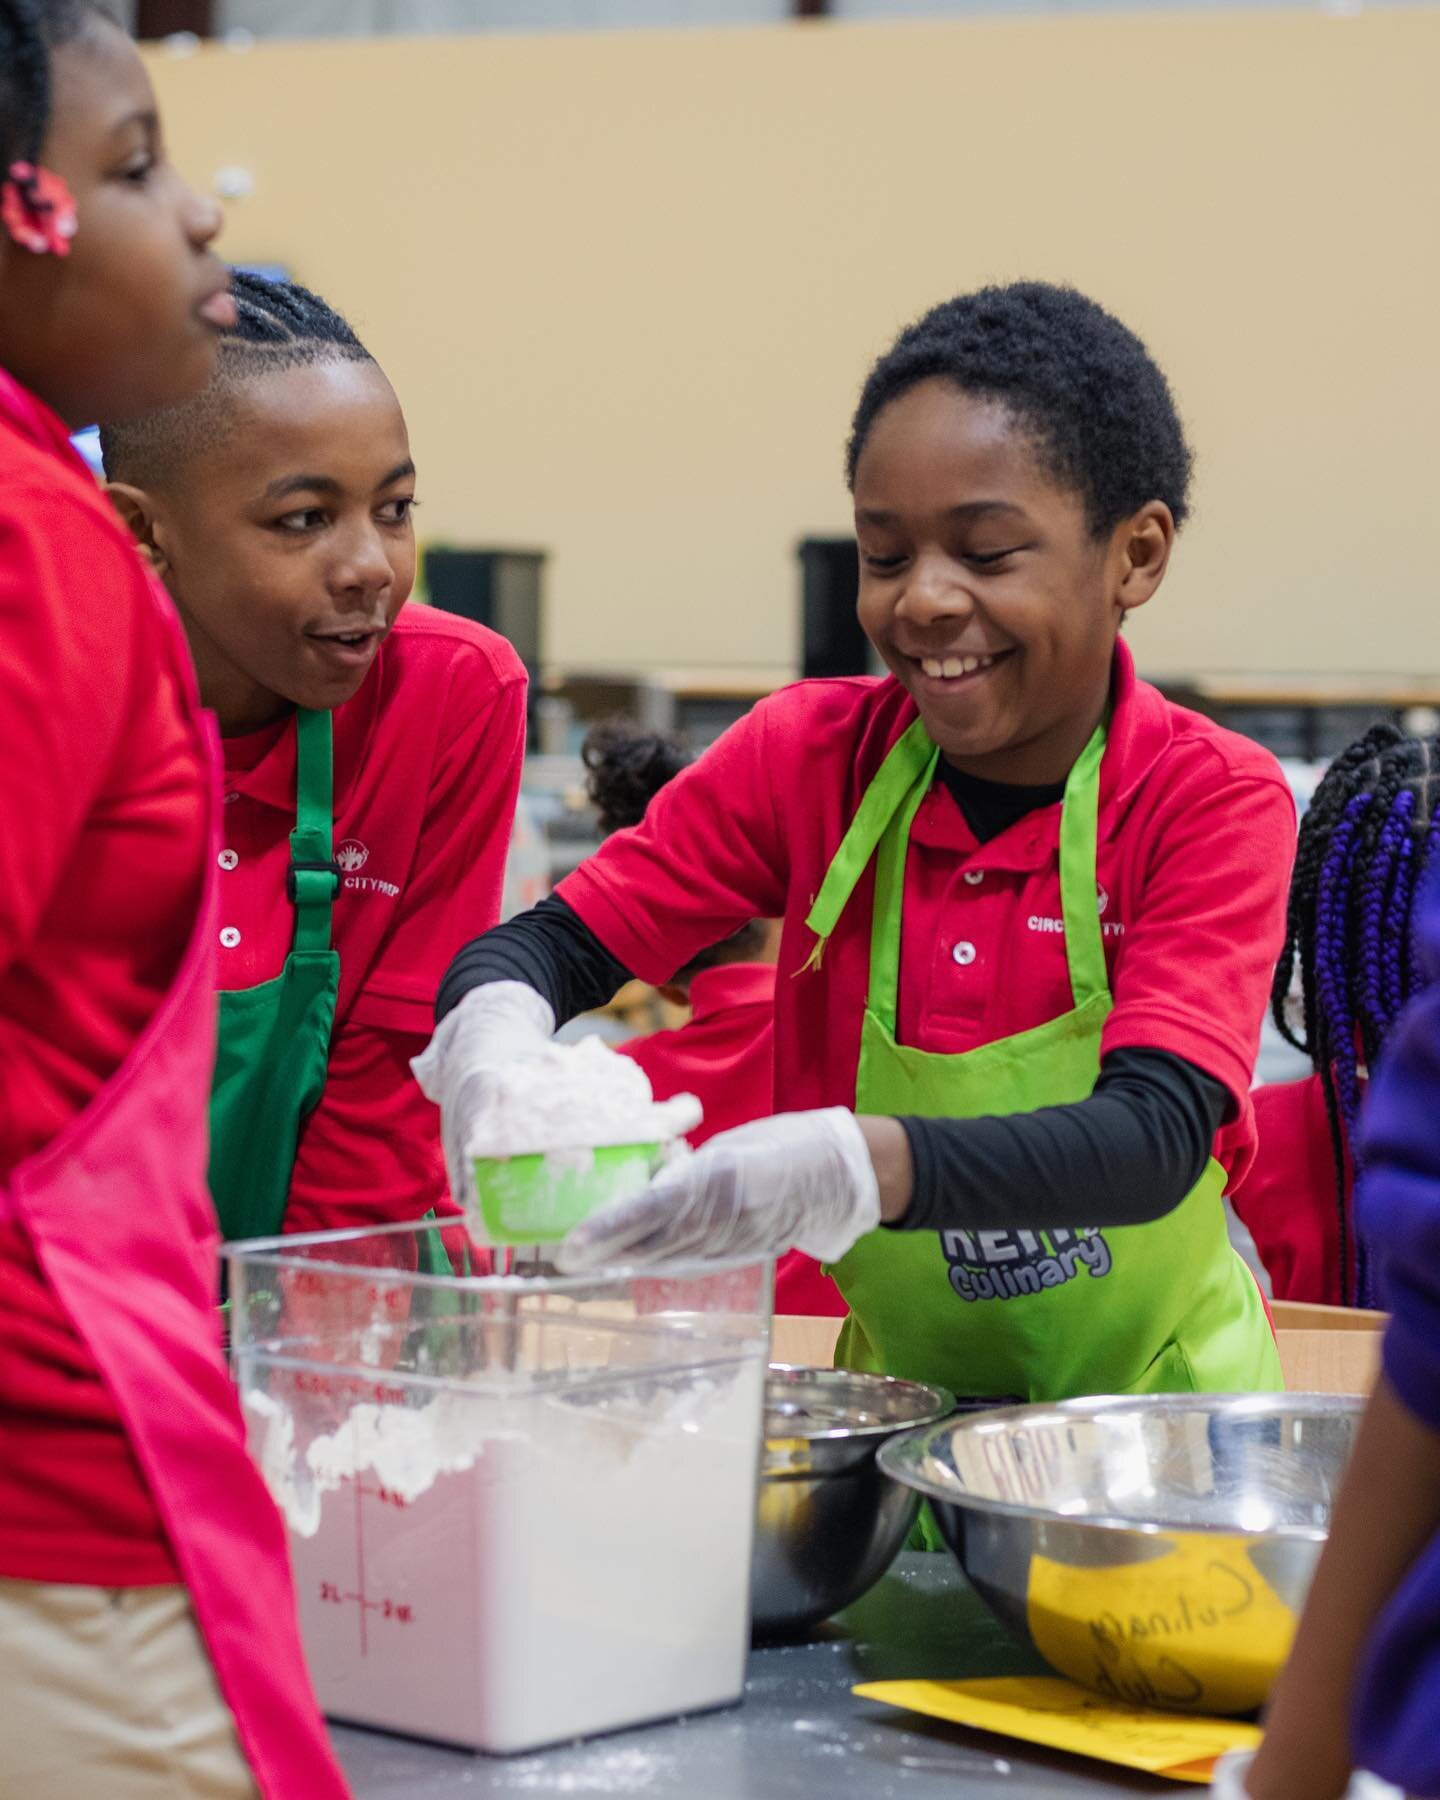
x=1061, y=1716
x=1195, y=1629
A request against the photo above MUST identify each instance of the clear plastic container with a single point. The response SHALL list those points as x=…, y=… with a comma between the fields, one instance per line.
x=521, y=1507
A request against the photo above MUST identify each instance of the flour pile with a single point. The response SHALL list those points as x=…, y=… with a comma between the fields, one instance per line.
x=574, y=1098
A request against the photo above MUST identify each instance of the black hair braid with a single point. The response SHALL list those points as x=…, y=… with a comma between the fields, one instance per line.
x=1101, y=412
x=279, y=325
x=29, y=31
x=282, y=313
x=627, y=768
x=1365, y=841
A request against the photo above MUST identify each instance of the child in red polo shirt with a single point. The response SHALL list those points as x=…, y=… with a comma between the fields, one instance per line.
x=1366, y=844
x=725, y=1053
x=277, y=508
x=148, y=1641
x=1030, y=909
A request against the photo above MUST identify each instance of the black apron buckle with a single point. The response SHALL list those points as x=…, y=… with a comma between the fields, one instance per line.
x=292, y=890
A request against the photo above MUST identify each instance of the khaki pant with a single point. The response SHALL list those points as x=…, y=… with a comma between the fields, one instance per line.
x=108, y=1694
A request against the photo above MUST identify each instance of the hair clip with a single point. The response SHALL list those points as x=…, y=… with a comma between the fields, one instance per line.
x=37, y=210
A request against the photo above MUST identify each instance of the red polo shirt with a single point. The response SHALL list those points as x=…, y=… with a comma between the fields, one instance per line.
x=1196, y=837
x=725, y=1055
x=427, y=766
x=1288, y=1200
x=102, y=836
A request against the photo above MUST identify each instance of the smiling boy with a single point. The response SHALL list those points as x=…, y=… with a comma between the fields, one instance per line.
x=1030, y=908
x=372, y=758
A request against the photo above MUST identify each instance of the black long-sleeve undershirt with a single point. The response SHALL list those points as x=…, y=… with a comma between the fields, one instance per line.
x=1127, y=1154
x=550, y=950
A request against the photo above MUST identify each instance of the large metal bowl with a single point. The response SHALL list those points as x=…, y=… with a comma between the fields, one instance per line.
x=1157, y=1550
x=829, y=1523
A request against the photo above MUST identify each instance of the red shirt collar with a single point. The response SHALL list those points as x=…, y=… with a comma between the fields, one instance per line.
x=33, y=419
x=1142, y=723
x=730, y=985
x=265, y=771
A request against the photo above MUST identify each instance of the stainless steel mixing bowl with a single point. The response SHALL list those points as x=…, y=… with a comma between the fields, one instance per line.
x=1157, y=1549
x=829, y=1523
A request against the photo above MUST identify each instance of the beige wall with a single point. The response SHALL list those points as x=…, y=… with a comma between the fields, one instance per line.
x=627, y=286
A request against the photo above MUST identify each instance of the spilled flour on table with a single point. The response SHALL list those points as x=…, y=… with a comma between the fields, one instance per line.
x=625, y=1771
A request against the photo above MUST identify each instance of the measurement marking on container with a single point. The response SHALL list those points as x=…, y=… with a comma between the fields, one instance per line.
x=331, y=1593
x=360, y=1561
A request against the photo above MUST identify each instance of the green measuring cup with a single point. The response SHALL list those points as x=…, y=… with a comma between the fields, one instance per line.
x=536, y=1199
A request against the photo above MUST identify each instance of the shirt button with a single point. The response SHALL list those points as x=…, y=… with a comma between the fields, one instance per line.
x=963, y=953
x=974, y=876
x=230, y=937
x=227, y=859
x=231, y=797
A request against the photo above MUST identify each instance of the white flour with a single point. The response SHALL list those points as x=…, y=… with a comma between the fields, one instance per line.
x=575, y=1097
x=506, y=1570
x=405, y=1448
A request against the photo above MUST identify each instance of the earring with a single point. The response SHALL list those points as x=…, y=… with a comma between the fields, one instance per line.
x=37, y=210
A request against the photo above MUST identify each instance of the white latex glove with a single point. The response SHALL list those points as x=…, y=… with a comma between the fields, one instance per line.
x=802, y=1179
x=1228, y=1782
x=493, y=1027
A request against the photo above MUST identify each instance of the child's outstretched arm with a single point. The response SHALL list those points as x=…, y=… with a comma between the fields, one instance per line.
x=1387, y=1511
x=1363, y=1682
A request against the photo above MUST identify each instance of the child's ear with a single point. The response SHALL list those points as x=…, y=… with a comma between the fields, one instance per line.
x=137, y=515
x=1142, y=547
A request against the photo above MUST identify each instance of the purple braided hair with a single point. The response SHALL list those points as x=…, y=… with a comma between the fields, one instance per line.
x=1369, y=843
x=1428, y=870
x=1380, y=950
x=1337, y=1020
x=1399, y=963
x=1333, y=1042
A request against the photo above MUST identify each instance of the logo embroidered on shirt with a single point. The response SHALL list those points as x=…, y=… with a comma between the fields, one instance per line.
x=351, y=857
x=1003, y=1265
x=1114, y=929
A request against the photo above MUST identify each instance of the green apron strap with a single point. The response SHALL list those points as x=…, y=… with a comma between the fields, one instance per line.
x=313, y=879
x=884, y=997
x=912, y=755
x=1079, y=882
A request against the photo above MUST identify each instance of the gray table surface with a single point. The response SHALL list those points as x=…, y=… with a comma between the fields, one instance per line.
x=800, y=1730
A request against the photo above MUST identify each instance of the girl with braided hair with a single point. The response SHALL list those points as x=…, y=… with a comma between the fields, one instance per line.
x=1365, y=845
x=148, y=1641
x=276, y=505
x=1361, y=1687
x=725, y=1052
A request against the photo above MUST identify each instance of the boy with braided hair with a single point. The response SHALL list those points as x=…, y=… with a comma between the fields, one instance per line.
x=1365, y=846
x=276, y=506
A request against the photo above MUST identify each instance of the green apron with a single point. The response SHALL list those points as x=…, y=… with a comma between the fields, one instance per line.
x=274, y=1044
x=1163, y=1307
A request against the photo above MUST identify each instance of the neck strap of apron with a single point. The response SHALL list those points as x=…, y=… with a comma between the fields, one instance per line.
x=881, y=829
x=313, y=878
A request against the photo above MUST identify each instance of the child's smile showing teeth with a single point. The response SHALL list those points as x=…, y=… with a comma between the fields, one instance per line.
x=946, y=668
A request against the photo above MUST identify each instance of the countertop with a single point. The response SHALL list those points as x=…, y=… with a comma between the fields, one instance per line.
x=800, y=1730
